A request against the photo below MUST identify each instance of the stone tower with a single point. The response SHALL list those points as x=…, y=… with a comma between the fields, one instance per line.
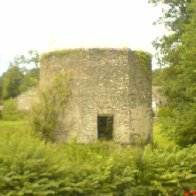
x=110, y=87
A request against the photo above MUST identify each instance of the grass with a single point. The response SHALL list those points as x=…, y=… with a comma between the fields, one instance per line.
x=23, y=126
x=9, y=127
x=16, y=129
x=159, y=139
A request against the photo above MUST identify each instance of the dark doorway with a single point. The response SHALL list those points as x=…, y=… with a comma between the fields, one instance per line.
x=105, y=127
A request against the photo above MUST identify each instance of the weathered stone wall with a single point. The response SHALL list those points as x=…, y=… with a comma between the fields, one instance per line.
x=140, y=95
x=103, y=82
x=26, y=100
x=158, y=99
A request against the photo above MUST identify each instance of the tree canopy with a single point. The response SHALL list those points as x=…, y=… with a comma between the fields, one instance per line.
x=178, y=50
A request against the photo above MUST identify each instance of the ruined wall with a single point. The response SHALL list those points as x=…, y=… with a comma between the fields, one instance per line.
x=158, y=99
x=103, y=82
x=140, y=95
x=26, y=100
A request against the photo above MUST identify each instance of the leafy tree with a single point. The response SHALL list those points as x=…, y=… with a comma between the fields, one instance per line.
x=31, y=76
x=31, y=58
x=11, y=82
x=178, y=50
x=158, y=76
x=30, y=79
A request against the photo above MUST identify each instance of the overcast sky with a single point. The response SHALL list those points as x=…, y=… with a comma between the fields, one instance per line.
x=46, y=25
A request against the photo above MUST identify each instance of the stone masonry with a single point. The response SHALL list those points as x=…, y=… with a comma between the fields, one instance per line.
x=103, y=82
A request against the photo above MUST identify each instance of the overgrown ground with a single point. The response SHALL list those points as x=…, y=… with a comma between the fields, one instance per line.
x=23, y=126
x=14, y=126
x=29, y=166
x=159, y=139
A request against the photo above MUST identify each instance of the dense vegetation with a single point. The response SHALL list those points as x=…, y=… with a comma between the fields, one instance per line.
x=178, y=50
x=158, y=76
x=10, y=111
x=29, y=166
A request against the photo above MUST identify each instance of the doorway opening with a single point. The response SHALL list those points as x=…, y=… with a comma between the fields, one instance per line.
x=105, y=127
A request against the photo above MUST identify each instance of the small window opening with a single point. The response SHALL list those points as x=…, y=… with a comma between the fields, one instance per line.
x=105, y=127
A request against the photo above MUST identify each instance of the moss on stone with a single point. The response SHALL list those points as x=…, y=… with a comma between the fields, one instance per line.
x=59, y=54
x=144, y=60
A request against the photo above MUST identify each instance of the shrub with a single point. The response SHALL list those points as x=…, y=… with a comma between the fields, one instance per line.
x=179, y=125
x=29, y=166
x=52, y=100
x=167, y=171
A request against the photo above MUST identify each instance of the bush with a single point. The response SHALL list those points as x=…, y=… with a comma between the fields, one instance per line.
x=10, y=111
x=52, y=100
x=168, y=171
x=29, y=166
x=179, y=125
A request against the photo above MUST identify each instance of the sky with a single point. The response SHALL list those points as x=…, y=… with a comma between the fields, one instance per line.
x=46, y=25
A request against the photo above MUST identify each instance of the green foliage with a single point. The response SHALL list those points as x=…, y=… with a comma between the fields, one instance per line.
x=11, y=81
x=52, y=100
x=144, y=59
x=9, y=127
x=184, y=129
x=158, y=76
x=160, y=139
x=30, y=79
x=16, y=79
x=144, y=56
x=186, y=125
x=29, y=166
x=170, y=176
x=10, y=111
x=30, y=76
x=178, y=50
